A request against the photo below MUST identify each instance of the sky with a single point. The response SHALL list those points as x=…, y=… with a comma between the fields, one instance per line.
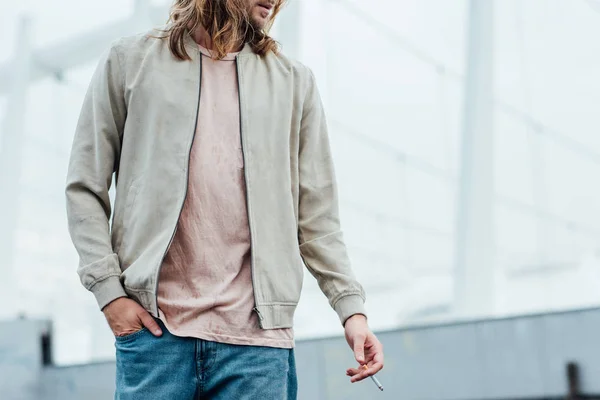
x=395, y=125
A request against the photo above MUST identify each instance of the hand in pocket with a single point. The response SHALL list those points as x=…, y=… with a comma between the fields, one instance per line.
x=125, y=316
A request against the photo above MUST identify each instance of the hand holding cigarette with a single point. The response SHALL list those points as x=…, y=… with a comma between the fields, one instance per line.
x=368, y=350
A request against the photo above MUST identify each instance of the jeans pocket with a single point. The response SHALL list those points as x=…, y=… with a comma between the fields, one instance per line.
x=130, y=335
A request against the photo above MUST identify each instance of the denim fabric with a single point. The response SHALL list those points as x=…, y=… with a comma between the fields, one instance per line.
x=183, y=368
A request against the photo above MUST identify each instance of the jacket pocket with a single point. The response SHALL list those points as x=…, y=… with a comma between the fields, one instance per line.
x=125, y=216
x=133, y=192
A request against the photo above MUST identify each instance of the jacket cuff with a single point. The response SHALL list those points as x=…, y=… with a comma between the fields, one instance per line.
x=350, y=305
x=107, y=290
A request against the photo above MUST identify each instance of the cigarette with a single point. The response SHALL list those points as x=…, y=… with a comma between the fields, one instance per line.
x=375, y=380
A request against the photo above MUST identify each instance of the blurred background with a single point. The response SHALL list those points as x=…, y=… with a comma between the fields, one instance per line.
x=466, y=137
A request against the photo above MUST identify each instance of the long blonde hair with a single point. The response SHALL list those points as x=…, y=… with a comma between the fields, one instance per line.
x=227, y=23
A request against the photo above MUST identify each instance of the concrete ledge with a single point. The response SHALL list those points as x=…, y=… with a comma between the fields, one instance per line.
x=510, y=358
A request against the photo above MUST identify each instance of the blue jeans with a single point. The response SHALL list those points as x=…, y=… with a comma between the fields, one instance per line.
x=183, y=368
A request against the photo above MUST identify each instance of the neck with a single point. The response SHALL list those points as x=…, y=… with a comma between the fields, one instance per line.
x=202, y=37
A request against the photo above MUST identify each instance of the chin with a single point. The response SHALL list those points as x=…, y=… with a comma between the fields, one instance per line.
x=259, y=21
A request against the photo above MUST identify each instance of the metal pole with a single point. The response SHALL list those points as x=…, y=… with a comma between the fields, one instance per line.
x=573, y=380
x=474, y=252
x=11, y=153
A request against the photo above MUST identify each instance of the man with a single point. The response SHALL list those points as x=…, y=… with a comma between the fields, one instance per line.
x=225, y=190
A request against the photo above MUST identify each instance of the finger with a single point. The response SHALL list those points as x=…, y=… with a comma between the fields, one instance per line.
x=359, y=350
x=358, y=373
x=150, y=323
x=374, y=355
x=359, y=376
x=378, y=359
x=366, y=371
x=374, y=368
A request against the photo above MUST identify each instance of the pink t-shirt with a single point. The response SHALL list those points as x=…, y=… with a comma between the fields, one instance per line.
x=205, y=283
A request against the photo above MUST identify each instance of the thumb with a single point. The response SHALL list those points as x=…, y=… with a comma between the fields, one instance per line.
x=150, y=323
x=359, y=350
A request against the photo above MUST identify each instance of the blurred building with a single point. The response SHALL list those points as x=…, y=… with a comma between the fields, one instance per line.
x=465, y=139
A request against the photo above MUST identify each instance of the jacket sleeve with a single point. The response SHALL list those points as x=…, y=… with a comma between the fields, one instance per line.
x=94, y=156
x=321, y=241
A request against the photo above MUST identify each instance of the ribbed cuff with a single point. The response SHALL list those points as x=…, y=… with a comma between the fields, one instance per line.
x=107, y=290
x=348, y=306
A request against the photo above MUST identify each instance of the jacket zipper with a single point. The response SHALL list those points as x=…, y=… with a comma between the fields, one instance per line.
x=252, y=272
x=187, y=179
